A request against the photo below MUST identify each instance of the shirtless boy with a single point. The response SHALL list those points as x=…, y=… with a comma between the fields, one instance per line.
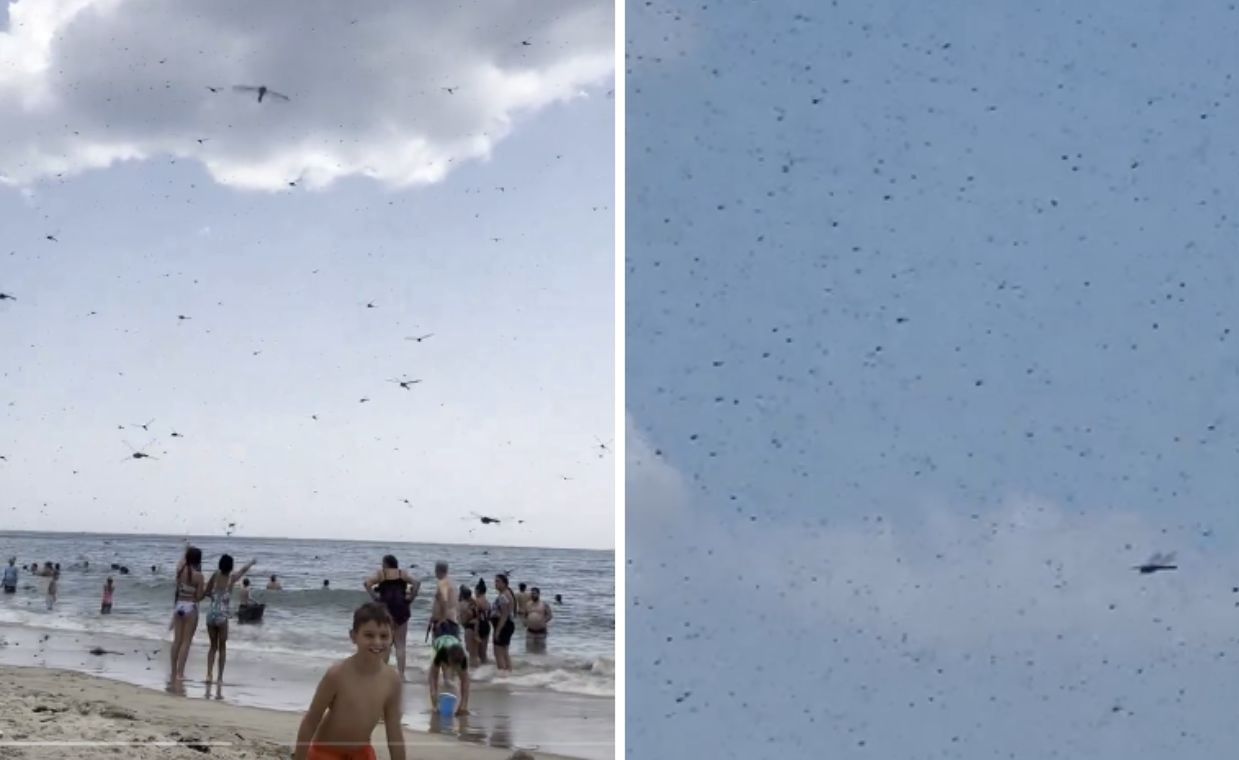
x=354, y=695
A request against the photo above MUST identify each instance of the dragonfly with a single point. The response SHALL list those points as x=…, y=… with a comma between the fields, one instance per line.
x=1157, y=563
x=262, y=90
x=138, y=453
x=488, y=520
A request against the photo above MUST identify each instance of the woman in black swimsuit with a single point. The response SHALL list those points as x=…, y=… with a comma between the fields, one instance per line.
x=483, y=613
x=395, y=589
x=502, y=619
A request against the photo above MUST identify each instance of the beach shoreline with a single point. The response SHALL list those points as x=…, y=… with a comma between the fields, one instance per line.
x=50, y=712
x=134, y=671
x=559, y=701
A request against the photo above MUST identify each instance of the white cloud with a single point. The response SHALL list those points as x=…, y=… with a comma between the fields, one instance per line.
x=1025, y=572
x=654, y=488
x=89, y=83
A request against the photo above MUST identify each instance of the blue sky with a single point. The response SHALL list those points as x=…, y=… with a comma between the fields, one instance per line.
x=930, y=338
x=483, y=216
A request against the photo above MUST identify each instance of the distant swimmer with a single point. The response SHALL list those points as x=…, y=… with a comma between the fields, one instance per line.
x=326, y=585
x=274, y=584
x=109, y=588
x=522, y=601
x=1157, y=563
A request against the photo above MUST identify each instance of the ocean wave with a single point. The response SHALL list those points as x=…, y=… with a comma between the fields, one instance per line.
x=566, y=673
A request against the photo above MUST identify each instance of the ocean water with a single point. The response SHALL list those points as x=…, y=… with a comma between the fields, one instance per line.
x=307, y=622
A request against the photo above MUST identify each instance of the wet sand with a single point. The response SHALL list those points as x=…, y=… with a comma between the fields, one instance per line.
x=262, y=698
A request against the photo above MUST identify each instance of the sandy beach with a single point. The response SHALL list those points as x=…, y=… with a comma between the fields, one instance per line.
x=59, y=713
x=262, y=699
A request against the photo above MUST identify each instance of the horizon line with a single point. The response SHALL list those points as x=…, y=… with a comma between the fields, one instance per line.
x=189, y=536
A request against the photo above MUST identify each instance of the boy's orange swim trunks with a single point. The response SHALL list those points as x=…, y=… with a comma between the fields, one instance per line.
x=319, y=752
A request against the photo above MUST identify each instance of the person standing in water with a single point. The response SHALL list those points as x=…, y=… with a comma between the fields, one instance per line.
x=482, y=606
x=219, y=588
x=190, y=588
x=502, y=619
x=522, y=602
x=274, y=584
x=467, y=616
x=443, y=612
x=10, y=576
x=537, y=617
x=108, y=588
x=51, y=589
x=395, y=589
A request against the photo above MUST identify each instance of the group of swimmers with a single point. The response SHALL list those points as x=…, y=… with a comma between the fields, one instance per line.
x=463, y=614
x=49, y=570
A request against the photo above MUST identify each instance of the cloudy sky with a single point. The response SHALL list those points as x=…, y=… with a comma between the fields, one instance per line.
x=931, y=327
x=440, y=170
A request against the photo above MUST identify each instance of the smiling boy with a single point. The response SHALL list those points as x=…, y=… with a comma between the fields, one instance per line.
x=354, y=695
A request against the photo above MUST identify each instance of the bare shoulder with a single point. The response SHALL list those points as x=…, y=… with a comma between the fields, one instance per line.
x=394, y=683
x=334, y=672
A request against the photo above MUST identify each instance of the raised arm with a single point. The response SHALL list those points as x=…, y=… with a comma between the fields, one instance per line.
x=323, y=697
x=393, y=711
x=239, y=574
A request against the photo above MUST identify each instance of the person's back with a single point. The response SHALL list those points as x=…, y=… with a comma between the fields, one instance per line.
x=105, y=608
x=522, y=601
x=443, y=611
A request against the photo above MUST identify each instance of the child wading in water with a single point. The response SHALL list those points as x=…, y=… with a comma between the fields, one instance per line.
x=449, y=653
x=108, y=588
x=51, y=589
x=354, y=695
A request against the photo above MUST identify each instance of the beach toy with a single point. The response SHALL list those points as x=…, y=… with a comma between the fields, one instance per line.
x=447, y=704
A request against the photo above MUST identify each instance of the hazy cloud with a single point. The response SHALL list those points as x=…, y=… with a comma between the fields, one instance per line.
x=89, y=83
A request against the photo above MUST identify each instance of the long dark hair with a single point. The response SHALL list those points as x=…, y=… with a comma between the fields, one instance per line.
x=193, y=561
